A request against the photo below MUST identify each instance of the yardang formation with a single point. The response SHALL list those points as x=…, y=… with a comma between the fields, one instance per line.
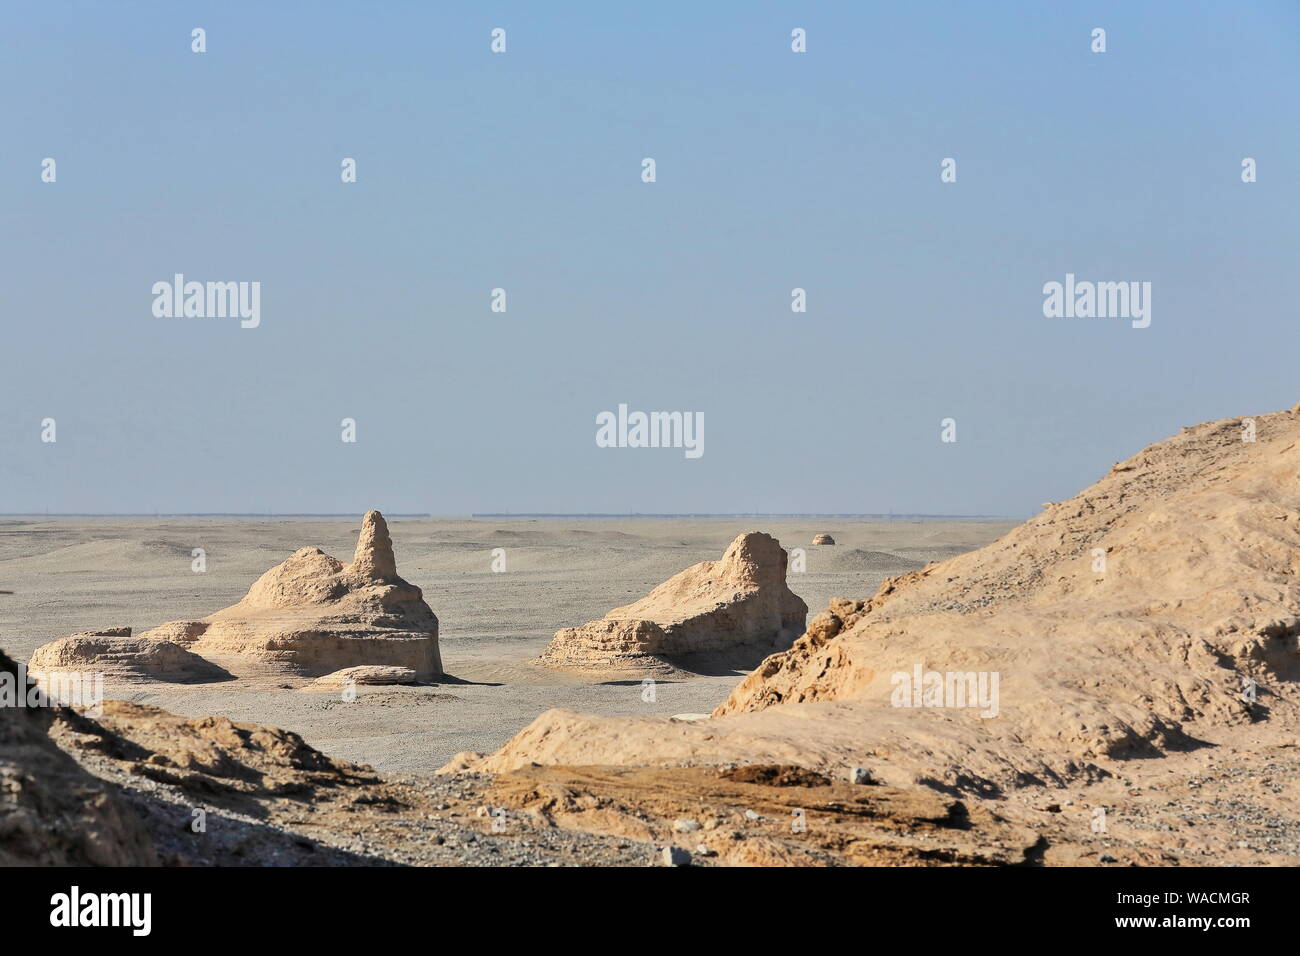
x=309, y=616
x=715, y=608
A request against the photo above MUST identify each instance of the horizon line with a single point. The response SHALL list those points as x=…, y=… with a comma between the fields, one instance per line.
x=505, y=514
x=733, y=514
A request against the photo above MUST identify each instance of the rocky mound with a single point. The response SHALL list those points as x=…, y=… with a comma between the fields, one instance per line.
x=765, y=816
x=130, y=787
x=119, y=657
x=209, y=755
x=1155, y=606
x=820, y=539
x=53, y=813
x=712, y=608
x=313, y=615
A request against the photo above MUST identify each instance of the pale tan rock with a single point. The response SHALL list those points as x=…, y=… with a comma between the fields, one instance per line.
x=312, y=615
x=366, y=674
x=183, y=633
x=739, y=603
x=374, y=555
x=1121, y=623
x=821, y=539
x=117, y=656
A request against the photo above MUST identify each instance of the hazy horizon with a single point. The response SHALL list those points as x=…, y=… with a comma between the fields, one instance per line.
x=488, y=514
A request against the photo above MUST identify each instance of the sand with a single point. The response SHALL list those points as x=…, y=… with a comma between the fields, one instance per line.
x=63, y=575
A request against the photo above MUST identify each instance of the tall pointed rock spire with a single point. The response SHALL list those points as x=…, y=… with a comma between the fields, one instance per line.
x=374, y=558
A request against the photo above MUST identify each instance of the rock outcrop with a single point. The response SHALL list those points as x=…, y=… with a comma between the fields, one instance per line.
x=738, y=604
x=52, y=812
x=823, y=538
x=366, y=674
x=1159, y=604
x=309, y=616
x=118, y=656
x=313, y=615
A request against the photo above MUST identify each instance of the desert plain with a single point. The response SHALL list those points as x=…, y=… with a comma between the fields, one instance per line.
x=1111, y=682
x=60, y=576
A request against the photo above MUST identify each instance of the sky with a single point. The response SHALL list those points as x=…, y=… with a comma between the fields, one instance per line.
x=522, y=170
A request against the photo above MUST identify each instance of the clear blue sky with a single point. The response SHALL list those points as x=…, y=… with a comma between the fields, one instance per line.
x=522, y=171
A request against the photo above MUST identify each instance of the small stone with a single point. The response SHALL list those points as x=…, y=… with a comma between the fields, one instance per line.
x=686, y=826
x=751, y=815
x=676, y=856
x=860, y=775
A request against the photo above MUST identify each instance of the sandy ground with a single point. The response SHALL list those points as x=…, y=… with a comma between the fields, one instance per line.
x=58, y=576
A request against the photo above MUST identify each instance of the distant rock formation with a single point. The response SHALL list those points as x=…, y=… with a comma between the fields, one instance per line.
x=313, y=615
x=117, y=655
x=309, y=616
x=713, y=608
x=819, y=539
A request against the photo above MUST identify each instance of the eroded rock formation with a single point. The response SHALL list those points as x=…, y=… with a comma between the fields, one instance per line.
x=313, y=615
x=713, y=608
x=309, y=616
x=116, y=655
